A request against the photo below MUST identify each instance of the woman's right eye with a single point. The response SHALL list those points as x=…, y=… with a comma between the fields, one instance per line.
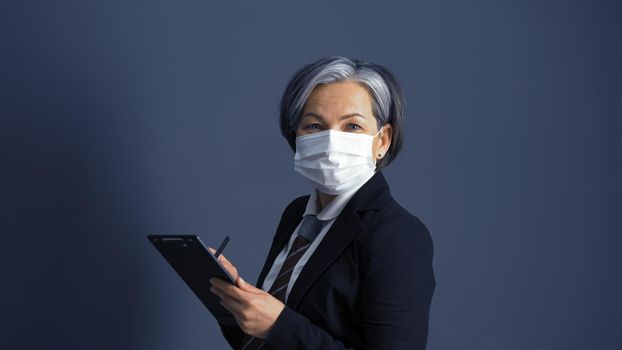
x=312, y=126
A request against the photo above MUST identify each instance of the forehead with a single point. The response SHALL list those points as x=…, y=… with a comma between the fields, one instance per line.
x=345, y=95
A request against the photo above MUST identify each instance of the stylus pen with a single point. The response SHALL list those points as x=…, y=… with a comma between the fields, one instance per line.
x=222, y=246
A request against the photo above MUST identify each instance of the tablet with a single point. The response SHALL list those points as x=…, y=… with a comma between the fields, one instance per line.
x=195, y=265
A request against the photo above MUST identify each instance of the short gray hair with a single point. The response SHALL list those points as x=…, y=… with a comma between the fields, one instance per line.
x=387, y=104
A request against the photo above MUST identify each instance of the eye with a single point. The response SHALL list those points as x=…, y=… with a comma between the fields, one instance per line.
x=313, y=126
x=354, y=127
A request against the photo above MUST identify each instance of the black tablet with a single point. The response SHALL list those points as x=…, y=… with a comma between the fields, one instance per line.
x=196, y=265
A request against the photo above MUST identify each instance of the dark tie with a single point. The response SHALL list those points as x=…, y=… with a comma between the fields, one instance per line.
x=309, y=228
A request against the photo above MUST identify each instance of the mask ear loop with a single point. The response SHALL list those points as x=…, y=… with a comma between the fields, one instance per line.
x=379, y=131
x=382, y=127
x=376, y=134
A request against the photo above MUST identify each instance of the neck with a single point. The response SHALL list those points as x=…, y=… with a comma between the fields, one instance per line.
x=323, y=199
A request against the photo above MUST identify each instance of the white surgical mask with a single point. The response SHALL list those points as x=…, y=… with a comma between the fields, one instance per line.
x=335, y=161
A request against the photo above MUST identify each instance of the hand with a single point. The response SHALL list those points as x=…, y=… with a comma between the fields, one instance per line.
x=229, y=266
x=254, y=309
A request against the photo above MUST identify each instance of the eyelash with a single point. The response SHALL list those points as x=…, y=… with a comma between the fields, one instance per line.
x=313, y=125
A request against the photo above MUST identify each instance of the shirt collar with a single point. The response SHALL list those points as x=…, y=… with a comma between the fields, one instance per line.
x=335, y=206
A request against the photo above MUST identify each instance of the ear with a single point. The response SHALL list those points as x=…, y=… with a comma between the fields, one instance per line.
x=385, y=140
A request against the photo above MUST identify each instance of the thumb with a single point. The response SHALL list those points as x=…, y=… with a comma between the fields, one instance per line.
x=244, y=285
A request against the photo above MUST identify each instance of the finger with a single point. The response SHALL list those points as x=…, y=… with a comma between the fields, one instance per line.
x=220, y=257
x=236, y=312
x=223, y=258
x=228, y=308
x=228, y=288
x=247, y=287
x=226, y=263
x=234, y=306
x=230, y=268
x=231, y=303
x=213, y=251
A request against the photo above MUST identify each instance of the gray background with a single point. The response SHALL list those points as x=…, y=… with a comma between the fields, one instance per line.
x=127, y=118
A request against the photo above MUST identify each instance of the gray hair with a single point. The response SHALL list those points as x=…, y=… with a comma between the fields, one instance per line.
x=387, y=104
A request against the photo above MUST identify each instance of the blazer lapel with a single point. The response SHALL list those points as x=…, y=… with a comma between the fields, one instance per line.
x=340, y=234
x=345, y=228
x=283, y=233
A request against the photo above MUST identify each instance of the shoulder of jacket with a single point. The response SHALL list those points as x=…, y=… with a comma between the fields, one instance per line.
x=394, y=229
x=393, y=219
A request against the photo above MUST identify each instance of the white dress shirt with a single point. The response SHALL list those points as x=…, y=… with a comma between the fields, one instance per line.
x=329, y=213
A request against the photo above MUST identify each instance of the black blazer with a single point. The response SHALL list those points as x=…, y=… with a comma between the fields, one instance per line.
x=368, y=285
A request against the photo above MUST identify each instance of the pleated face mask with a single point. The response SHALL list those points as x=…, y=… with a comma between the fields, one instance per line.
x=335, y=161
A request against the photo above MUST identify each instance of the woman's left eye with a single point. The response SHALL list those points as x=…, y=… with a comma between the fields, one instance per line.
x=353, y=126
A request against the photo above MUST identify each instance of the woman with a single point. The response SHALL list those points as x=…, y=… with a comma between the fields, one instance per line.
x=348, y=266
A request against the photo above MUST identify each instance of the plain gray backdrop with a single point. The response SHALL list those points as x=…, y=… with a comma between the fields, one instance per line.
x=127, y=118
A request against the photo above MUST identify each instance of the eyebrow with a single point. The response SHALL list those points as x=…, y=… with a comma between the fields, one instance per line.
x=311, y=114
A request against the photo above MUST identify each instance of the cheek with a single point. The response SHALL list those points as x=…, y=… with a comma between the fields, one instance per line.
x=299, y=132
x=374, y=146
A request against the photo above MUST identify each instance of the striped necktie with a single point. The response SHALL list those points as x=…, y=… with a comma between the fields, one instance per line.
x=309, y=229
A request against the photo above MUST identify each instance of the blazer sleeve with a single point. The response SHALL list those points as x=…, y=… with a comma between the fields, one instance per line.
x=397, y=283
